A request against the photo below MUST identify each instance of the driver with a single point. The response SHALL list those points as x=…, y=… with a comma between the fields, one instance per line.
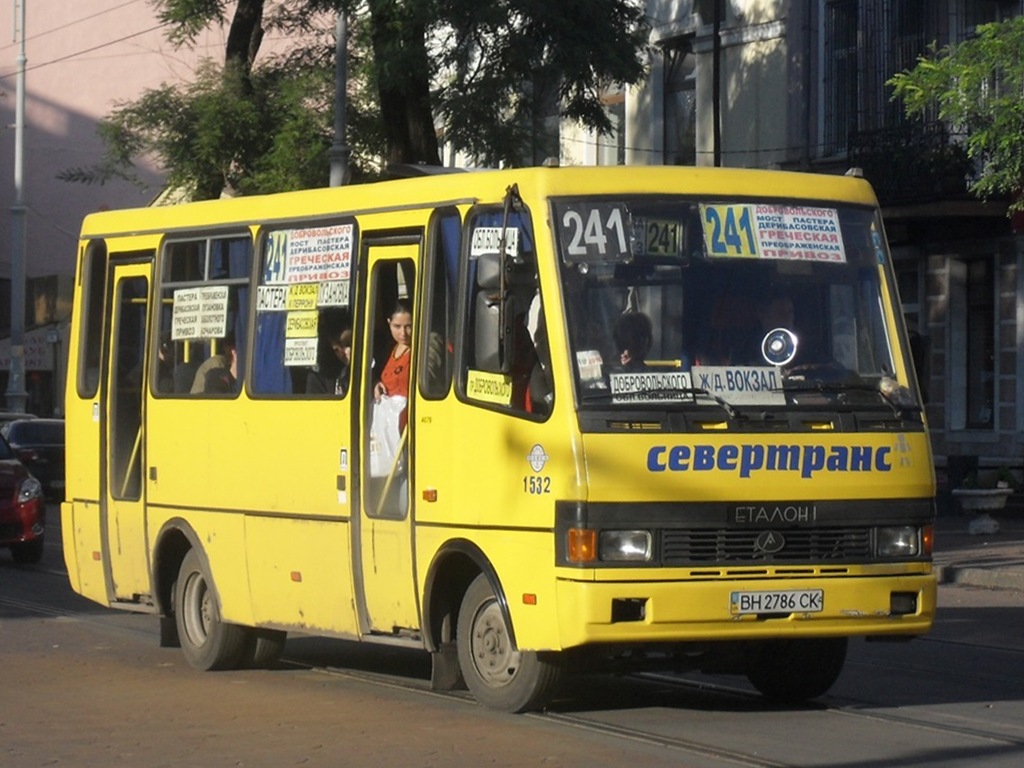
x=774, y=310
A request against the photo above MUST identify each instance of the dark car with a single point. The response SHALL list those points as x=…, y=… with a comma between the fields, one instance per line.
x=6, y=417
x=39, y=444
x=22, y=509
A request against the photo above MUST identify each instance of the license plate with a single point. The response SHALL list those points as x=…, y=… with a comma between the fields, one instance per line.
x=777, y=601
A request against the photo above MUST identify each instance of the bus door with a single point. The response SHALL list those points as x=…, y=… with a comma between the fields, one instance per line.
x=122, y=426
x=383, y=550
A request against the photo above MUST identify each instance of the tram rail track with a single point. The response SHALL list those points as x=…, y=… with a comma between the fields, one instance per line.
x=667, y=692
x=689, y=746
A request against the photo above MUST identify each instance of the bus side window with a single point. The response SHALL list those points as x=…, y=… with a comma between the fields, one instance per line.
x=207, y=281
x=302, y=311
x=94, y=275
x=439, y=305
x=512, y=368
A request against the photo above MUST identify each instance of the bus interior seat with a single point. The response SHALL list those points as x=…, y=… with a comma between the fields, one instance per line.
x=184, y=375
x=487, y=313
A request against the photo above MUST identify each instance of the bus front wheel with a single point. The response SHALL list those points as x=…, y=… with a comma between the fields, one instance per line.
x=207, y=642
x=795, y=671
x=498, y=675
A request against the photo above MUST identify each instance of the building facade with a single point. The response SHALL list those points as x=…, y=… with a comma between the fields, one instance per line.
x=800, y=85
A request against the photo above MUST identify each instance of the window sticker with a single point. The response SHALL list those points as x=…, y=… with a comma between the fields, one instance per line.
x=650, y=387
x=657, y=237
x=299, y=296
x=792, y=233
x=300, y=337
x=272, y=298
x=300, y=351
x=489, y=387
x=200, y=313
x=741, y=384
x=595, y=232
x=488, y=240
x=333, y=293
x=591, y=367
x=301, y=325
x=302, y=297
x=309, y=255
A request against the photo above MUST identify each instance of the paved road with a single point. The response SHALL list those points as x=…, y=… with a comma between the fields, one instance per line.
x=86, y=686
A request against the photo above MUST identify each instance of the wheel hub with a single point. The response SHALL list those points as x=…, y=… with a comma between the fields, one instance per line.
x=492, y=652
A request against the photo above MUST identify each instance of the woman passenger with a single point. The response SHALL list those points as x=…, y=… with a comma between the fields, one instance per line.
x=394, y=378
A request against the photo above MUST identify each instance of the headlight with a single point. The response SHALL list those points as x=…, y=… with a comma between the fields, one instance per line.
x=897, y=542
x=30, y=489
x=625, y=546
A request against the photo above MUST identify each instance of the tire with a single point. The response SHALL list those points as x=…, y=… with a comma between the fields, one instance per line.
x=207, y=642
x=263, y=648
x=28, y=552
x=499, y=676
x=795, y=671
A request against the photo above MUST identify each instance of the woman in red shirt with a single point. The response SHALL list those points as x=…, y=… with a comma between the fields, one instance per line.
x=394, y=378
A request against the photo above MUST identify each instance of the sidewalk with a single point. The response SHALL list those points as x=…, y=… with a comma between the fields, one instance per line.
x=983, y=560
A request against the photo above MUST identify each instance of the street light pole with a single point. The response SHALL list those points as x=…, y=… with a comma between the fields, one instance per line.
x=339, y=150
x=16, y=395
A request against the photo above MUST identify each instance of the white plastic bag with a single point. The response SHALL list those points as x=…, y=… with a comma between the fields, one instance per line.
x=385, y=437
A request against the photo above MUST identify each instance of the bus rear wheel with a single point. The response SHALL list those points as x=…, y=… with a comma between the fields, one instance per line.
x=207, y=642
x=795, y=671
x=498, y=675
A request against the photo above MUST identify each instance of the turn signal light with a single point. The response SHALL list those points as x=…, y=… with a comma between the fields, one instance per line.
x=582, y=544
x=927, y=539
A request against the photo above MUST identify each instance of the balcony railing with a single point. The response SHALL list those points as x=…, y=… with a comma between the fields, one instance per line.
x=912, y=164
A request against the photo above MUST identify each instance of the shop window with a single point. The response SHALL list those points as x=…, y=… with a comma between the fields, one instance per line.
x=680, y=103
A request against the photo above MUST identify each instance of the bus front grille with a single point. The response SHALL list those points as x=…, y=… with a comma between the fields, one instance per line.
x=727, y=545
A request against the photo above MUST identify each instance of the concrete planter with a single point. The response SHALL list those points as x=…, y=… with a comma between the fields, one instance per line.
x=978, y=502
x=982, y=499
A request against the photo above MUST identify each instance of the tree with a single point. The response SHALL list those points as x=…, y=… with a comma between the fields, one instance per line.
x=483, y=75
x=977, y=86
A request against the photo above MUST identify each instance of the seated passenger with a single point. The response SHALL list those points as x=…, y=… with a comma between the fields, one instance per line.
x=633, y=335
x=218, y=373
x=332, y=377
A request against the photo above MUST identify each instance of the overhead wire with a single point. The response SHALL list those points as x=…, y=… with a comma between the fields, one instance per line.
x=69, y=24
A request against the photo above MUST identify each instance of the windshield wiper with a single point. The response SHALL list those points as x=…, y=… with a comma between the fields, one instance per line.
x=891, y=393
x=721, y=401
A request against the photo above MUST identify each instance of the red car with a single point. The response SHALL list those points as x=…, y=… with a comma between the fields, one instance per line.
x=22, y=509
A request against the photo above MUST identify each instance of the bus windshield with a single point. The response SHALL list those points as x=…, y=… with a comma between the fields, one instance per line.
x=728, y=304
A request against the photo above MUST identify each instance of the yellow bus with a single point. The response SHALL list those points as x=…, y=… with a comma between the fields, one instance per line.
x=658, y=414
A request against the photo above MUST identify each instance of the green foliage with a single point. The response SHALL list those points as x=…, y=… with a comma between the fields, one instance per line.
x=977, y=86
x=188, y=18
x=507, y=65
